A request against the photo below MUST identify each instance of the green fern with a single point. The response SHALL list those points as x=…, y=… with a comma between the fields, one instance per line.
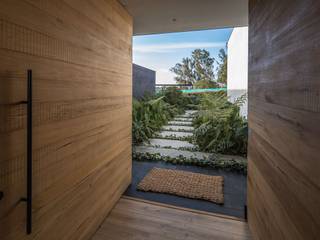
x=149, y=116
x=219, y=127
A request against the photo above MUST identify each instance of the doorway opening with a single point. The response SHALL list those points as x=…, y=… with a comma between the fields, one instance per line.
x=190, y=117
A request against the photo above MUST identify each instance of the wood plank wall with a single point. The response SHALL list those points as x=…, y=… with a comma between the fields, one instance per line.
x=284, y=119
x=80, y=53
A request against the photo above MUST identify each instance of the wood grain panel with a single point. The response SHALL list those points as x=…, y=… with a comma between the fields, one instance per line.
x=80, y=53
x=284, y=116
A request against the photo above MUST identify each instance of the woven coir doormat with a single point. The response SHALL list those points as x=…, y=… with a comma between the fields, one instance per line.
x=185, y=184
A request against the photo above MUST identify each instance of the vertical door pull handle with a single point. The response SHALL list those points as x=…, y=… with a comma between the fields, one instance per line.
x=28, y=198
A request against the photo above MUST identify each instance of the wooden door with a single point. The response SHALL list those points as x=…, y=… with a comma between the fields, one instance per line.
x=284, y=117
x=80, y=54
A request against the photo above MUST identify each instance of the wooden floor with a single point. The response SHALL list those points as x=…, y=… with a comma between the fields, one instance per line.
x=140, y=220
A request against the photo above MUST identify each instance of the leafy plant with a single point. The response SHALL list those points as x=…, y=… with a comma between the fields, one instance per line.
x=205, y=84
x=175, y=97
x=178, y=130
x=149, y=116
x=215, y=161
x=219, y=127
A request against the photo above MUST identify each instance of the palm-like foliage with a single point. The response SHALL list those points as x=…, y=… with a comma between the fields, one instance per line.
x=219, y=127
x=149, y=117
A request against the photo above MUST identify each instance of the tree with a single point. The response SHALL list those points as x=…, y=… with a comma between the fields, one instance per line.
x=184, y=72
x=222, y=67
x=205, y=84
x=200, y=66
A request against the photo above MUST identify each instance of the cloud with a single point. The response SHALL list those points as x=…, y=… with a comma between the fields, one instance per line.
x=171, y=47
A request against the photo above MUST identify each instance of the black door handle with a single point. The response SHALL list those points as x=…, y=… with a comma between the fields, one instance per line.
x=28, y=198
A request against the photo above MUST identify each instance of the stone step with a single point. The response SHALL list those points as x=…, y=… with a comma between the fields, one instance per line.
x=179, y=119
x=174, y=153
x=166, y=143
x=189, y=113
x=179, y=123
x=168, y=134
x=185, y=116
x=178, y=128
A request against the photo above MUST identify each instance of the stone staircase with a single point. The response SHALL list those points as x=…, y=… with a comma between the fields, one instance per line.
x=172, y=140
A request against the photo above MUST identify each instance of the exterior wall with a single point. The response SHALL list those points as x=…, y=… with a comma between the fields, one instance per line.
x=143, y=81
x=237, y=82
x=284, y=117
x=238, y=59
x=79, y=51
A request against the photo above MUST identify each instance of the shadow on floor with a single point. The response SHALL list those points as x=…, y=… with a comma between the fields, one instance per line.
x=235, y=188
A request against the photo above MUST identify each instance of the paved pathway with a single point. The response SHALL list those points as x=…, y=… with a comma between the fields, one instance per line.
x=165, y=143
x=172, y=140
x=170, y=134
x=177, y=128
x=180, y=123
x=174, y=153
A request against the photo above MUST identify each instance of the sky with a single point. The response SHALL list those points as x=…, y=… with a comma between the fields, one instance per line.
x=160, y=52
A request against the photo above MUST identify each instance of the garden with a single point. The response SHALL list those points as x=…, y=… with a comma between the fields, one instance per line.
x=191, y=129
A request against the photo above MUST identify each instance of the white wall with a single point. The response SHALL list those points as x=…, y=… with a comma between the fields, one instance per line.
x=238, y=59
x=238, y=65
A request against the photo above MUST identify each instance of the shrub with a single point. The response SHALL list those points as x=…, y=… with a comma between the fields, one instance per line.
x=214, y=161
x=149, y=116
x=181, y=100
x=175, y=97
x=219, y=127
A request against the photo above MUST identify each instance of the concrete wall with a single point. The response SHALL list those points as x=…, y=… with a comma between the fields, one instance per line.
x=238, y=65
x=143, y=81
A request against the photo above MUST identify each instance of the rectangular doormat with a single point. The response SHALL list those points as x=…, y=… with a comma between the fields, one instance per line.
x=184, y=184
